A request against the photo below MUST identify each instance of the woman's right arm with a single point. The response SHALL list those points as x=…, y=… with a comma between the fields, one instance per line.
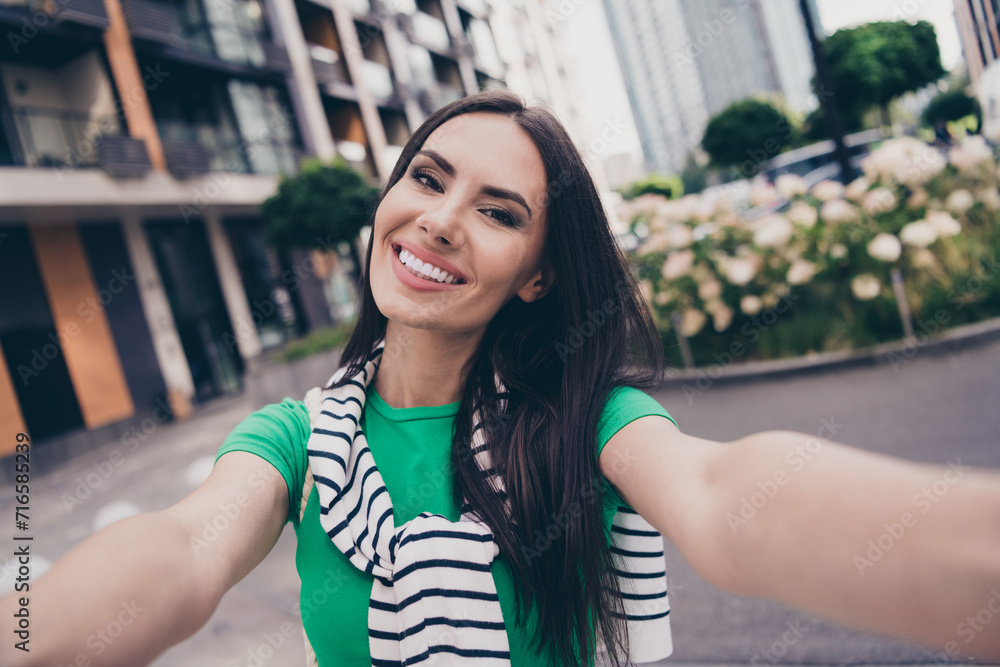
x=143, y=584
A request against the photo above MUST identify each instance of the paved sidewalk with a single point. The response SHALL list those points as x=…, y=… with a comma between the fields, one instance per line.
x=934, y=408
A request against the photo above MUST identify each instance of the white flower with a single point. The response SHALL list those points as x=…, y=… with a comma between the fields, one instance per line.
x=800, y=272
x=750, y=304
x=692, y=321
x=838, y=211
x=838, y=251
x=648, y=203
x=709, y=289
x=802, y=213
x=775, y=230
x=679, y=235
x=762, y=192
x=664, y=297
x=828, y=190
x=704, y=209
x=879, y=200
x=885, y=247
x=924, y=259
x=790, y=185
x=917, y=199
x=857, y=188
x=905, y=160
x=722, y=317
x=741, y=270
x=990, y=198
x=971, y=154
x=865, y=286
x=959, y=201
x=625, y=211
x=678, y=264
x=918, y=233
x=943, y=223
x=657, y=242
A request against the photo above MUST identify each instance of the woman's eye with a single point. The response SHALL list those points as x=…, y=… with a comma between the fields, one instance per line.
x=419, y=175
x=503, y=216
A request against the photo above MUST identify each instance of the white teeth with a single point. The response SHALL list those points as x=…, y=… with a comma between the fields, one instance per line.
x=410, y=261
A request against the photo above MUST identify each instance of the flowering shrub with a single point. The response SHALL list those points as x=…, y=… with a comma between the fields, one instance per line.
x=816, y=275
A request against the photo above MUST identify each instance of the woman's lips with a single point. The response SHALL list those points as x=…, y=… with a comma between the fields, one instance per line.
x=409, y=279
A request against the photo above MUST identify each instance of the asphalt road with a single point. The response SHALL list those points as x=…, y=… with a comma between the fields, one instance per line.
x=935, y=408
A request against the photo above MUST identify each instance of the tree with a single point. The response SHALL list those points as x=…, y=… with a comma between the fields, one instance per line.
x=952, y=105
x=320, y=207
x=669, y=186
x=747, y=134
x=874, y=63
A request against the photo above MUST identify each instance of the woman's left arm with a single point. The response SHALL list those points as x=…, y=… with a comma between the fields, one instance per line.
x=867, y=540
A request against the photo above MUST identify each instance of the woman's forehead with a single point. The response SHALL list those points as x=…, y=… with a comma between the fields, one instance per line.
x=494, y=148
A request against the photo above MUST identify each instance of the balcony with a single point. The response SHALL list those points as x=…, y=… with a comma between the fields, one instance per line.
x=328, y=67
x=431, y=31
x=377, y=79
x=198, y=148
x=61, y=138
x=236, y=39
x=84, y=12
x=89, y=13
x=362, y=7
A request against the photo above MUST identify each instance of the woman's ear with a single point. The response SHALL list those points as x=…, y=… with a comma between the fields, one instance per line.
x=539, y=285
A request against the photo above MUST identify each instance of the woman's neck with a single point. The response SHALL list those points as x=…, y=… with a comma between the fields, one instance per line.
x=421, y=367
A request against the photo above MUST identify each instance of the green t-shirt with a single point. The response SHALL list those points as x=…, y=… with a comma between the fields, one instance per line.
x=411, y=447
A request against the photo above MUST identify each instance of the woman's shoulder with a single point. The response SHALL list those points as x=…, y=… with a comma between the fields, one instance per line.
x=278, y=433
x=623, y=405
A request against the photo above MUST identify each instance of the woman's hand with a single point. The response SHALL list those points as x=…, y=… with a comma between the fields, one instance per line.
x=867, y=540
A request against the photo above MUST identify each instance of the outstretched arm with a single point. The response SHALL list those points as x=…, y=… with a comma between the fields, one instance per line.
x=143, y=584
x=866, y=540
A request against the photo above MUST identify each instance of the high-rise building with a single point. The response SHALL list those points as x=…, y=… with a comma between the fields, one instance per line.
x=978, y=29
x=686, y=60
x=138, y=139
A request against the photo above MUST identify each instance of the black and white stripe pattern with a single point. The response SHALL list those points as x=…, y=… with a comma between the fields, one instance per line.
x=433, y=597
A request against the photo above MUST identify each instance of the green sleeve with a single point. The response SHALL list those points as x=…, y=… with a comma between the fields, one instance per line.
x=624, y=405
x=277, y=433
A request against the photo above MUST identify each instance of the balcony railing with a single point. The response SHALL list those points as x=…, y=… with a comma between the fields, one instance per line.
x=61, y=138
x=153, y=21
x=91, y=13
x=123, y=157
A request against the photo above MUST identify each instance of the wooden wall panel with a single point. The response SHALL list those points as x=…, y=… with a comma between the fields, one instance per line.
x=88, y=346
x=10, y=411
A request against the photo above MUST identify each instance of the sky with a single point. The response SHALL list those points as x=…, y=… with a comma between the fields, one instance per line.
x=600, y=93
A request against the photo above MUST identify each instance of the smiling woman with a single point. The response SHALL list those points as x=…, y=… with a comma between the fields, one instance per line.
x=485, y=478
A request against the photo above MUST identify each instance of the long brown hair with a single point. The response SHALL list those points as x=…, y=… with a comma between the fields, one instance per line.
x=559, y=357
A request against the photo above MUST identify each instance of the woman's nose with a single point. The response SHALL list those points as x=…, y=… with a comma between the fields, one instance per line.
x=443, y=223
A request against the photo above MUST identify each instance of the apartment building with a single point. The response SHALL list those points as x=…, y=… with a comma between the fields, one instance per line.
x=137, y=141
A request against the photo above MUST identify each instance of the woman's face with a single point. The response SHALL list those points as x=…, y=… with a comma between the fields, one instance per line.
x=471, y=203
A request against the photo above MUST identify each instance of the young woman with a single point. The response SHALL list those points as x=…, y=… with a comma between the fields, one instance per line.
x=516, y=254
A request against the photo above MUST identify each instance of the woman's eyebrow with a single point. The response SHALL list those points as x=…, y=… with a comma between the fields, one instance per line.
x=489, y=190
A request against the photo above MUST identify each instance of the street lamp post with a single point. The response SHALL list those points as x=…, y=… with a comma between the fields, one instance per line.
x=828, y=99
